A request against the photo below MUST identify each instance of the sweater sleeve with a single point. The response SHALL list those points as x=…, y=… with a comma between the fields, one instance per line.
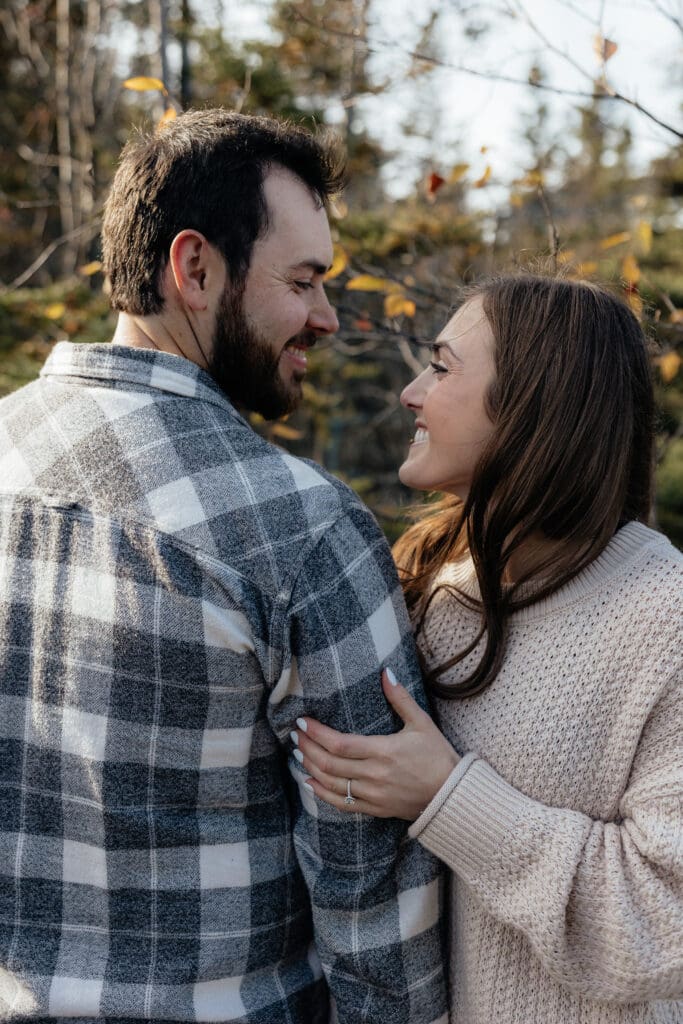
x=600, y=902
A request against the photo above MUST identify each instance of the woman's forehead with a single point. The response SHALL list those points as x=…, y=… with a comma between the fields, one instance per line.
x=468, y=325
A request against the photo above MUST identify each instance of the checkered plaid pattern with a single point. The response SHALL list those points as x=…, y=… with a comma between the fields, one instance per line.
x=174, y=592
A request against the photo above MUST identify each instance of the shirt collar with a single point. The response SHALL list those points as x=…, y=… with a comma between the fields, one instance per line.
x=161, y=371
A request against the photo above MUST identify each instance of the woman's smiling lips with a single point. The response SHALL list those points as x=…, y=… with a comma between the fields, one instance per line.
x=421, y=435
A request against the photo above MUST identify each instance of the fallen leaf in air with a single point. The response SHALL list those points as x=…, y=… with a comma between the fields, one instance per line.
x=669, y=365
x=141, y=84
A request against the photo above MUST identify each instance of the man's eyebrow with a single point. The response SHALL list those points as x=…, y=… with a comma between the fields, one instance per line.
x=315, y=265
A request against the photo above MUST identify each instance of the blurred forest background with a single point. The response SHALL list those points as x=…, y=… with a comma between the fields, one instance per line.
x=418, y=218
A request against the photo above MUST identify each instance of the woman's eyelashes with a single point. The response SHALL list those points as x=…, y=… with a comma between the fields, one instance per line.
x=438, y=368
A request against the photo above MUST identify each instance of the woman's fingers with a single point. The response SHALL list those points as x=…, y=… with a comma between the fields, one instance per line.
x=392, y=776
x=332, y=782
x=313, y=756
x=340, y=744
x=360, y=804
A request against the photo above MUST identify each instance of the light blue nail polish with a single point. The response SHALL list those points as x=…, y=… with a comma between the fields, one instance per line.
x=294, y=737
x=391, y=677
x=299, y=756
x=301, y=724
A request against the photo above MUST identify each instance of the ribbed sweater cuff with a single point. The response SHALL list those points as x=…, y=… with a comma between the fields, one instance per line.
x=437, y=802
x=470, y=824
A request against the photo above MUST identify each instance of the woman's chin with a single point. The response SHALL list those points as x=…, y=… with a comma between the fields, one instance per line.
x=406, y=477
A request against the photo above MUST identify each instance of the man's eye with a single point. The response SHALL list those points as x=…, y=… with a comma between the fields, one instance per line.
x=438, y=368
x=304, y=284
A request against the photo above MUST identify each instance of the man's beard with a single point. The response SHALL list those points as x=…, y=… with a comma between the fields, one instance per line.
x=246, y=368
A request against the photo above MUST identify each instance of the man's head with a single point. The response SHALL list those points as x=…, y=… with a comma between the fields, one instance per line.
x=222, y=215
x=263, y=329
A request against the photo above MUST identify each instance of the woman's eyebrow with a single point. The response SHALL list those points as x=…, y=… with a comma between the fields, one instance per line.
x=438, y=345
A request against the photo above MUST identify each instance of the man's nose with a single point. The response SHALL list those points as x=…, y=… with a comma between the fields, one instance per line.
x=322, y=317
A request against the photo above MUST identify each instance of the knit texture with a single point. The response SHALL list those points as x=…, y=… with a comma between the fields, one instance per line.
x=563, y=823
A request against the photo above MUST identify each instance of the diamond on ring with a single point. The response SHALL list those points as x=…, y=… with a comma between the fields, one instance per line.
x=349, y=798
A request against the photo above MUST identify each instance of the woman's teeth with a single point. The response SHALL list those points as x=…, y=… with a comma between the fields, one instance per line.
x=420, y=435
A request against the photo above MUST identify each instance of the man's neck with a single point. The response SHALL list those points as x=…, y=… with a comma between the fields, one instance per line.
x=160, y=332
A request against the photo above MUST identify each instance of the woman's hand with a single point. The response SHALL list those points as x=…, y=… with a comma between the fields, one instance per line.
x=391, y=776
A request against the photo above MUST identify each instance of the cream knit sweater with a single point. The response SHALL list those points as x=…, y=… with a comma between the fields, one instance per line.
x=563, y=822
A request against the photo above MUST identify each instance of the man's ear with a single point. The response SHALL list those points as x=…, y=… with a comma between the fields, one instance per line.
x=197, y=269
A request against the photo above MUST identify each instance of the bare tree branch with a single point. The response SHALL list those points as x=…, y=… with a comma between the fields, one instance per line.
x=661, y=9
x=553, y=235
x=17, y=27
x=244, y=91
x=609, y=91
x=27, y=274
x=492, y=76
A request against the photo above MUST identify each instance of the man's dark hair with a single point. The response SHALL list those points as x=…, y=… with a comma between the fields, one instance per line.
x=202, y=171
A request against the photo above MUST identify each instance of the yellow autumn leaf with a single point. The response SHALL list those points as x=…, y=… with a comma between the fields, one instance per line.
x=397, y=305
x=88, y=269
x=55, y=310
x=587, y=268
x=169, y=114
x=630, y=271
x=480, y=182
x=604, y=48
x=618, y=239
x=669, y=365
x=566, y=256
x=635, y=302
x=368, y=283
x=340, y=262
x=644, y=235
x=286, y=432
x=141, y=84
x=676, y=316
x=532, y=179
x=458, y=172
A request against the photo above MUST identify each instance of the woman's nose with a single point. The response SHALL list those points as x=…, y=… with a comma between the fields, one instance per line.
x=411, y=396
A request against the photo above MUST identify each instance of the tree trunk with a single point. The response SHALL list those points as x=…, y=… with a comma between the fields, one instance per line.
x=63, y=125
x=158, y=20
x=186, y=22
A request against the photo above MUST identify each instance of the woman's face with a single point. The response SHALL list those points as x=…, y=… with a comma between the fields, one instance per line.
x=451, y=423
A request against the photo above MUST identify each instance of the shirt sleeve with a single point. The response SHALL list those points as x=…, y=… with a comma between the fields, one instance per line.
x=601, y=902
x=376, y=895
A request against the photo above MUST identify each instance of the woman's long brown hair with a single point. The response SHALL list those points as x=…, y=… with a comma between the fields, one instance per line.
x=570, y=458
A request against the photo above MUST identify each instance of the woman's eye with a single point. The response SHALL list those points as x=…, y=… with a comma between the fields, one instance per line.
x=438, y=368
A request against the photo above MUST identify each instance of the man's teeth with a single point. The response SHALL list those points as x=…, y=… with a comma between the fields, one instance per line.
x=301, y=352
x=420, y=435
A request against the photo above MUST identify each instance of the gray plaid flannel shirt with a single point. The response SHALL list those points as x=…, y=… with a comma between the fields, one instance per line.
x=174, y=592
